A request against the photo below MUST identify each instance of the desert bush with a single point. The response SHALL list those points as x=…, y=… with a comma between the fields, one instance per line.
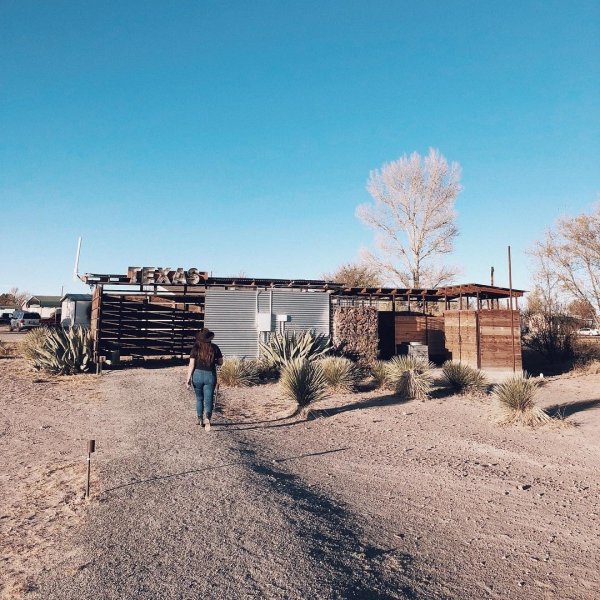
x=61, y=351
x=516, y=398
x=341, y=374
x=239, y=372
x=289, y=346
x=6, y=350
x=410, y=377
x=379, y=372
x=464, y=379
x=303, y=381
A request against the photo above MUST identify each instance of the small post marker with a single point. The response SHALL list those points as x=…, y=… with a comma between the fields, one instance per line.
x=91, y=447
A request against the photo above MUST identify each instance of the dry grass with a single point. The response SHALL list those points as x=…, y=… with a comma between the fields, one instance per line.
x=410, y=377
x=238, y=372
x=516, y=400
x=464, y=379
x=341, y=374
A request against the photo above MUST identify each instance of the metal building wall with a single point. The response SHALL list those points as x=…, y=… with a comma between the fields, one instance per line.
x=231, y=314
x=307, y=310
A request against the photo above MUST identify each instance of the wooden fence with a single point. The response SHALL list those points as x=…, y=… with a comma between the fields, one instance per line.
x=140, y=324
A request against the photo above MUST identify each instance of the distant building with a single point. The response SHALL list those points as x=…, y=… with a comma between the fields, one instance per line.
x=47, y=306
x=76, y=310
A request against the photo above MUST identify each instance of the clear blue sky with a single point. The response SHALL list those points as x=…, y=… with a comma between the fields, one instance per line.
x=236, y=136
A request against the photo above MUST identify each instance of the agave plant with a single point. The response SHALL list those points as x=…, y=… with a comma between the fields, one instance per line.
x=410, y=377
x=516, y=397
x=283, y=348
x=340, y=373
x=464, y=379
x=303, y=381
x=61, y=351
x=238, y=372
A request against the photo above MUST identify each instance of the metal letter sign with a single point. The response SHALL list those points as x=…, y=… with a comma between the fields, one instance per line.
x=165, y=275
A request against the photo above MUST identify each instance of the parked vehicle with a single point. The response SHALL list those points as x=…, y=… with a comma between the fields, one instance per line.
x=588, y=331
x=22, y=320
x=5, y=318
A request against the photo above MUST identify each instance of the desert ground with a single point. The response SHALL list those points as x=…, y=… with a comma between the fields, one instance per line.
x=367, y=498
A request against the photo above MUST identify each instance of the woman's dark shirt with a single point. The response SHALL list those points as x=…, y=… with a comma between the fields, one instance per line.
x=203, y=366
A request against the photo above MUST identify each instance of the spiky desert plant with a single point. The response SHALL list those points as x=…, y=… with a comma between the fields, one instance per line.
x=516, y=398
x=303, y=381
x=379, y=373
x=284, y=347
x=341, y=374
x=61, y=351
x=410, y=377
x=464, y=379
x=238, y=372
x=34, y=340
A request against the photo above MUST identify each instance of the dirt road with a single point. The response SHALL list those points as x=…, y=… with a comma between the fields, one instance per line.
x=186, y=514
x=371, y=499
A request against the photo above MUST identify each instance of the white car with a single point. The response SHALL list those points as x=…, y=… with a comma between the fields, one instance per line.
x=588, y=331
x=22, y=320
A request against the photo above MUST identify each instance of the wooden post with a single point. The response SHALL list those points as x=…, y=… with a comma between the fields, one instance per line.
x=512, y=316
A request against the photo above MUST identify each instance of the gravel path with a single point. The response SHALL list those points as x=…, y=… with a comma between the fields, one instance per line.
x=187, y=514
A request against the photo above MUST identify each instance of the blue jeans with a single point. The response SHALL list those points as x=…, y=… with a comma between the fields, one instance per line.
x=203, y=383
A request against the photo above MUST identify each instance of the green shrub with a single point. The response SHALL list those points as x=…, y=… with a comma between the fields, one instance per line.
x=238, y=372
x=464, y=379
x=410, y=377
x=516, y=398
x=379, y=372
x=61, y=351
x=340, y=373
x=303, y=382
x=282, y=348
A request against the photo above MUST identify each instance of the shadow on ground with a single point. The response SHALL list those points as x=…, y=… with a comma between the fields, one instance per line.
x=571, y=408
x=357, y=570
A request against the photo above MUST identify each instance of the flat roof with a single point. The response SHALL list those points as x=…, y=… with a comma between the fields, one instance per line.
x=451, y=292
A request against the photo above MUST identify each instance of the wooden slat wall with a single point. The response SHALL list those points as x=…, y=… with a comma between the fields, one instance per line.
x=139, y=325
x=461, y=335
x=422, y=328
x=411, y=328
x=493, y=347
x=495, y=339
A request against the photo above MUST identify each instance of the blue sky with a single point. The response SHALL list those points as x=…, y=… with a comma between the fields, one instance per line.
x=238, y=136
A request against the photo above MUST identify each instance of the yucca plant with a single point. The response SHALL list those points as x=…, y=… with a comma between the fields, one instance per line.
x=516, y=398
x=464, y=379
x=285, y=347
x=238, y=372
x=341, y=374
x=61, y=351
x=379, y=373
x=303, y=382
x=410, y=377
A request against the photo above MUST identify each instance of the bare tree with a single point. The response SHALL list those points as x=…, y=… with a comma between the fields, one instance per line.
x=19, y=296
x=355, y=275
x=571, y=252
x=413, y=218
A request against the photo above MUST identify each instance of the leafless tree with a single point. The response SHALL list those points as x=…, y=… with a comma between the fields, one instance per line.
x=571, y=252
x=355, y=275
x=413, y=218
x=20, y=296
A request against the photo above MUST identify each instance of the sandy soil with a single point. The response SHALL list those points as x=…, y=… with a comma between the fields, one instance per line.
x=370, y=498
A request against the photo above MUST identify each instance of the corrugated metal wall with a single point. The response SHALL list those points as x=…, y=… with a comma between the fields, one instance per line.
x=231, y=314
x=307, y=310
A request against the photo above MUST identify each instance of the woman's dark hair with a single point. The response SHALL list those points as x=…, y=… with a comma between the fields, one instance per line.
x=204, y=353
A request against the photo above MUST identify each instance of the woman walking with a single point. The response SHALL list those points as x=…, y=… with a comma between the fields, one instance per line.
x=202, y=374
